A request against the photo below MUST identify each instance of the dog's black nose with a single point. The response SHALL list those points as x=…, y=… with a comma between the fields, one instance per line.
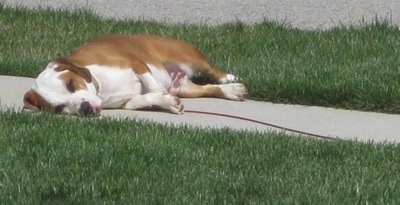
x=86, y=109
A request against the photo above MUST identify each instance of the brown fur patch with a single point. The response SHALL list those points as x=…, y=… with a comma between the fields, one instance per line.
x=72, y=81
x=65, y=64
x=35, y=102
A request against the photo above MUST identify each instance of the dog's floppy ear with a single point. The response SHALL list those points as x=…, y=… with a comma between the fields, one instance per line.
x=67, y=65
x=35, y=102
x=31, y=101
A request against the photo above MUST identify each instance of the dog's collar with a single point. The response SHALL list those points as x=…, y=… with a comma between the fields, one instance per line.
x=95, y=83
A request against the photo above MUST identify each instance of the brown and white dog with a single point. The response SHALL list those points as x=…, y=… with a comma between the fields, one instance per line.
x=128, y=72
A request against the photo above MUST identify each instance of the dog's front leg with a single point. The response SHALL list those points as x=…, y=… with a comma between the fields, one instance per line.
x=165, y=101
x=155, y=95
x=150, y=84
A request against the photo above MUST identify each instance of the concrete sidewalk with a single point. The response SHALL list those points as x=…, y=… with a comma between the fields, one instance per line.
x=345, y=124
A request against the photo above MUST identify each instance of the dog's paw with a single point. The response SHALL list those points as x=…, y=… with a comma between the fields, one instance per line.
x=173, y=104
x=234, y=91
x=229, y=78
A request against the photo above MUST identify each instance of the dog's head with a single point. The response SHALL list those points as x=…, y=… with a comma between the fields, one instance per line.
x=64, y=88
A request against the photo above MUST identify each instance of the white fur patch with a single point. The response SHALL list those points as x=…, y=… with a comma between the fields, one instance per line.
x=116, y=85
x=187, y=69
x=158, y=80
x=48, y=85
x=229, y=78
x=233, y=91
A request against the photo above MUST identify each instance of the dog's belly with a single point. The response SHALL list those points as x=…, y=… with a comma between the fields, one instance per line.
x=116, y=85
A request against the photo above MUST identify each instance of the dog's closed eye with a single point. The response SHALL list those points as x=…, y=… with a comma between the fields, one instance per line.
x=70, y=86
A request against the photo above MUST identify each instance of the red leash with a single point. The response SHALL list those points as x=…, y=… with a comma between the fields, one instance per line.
x=262, y=123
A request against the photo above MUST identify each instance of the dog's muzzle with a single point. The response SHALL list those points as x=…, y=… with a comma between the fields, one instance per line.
x=86, y=109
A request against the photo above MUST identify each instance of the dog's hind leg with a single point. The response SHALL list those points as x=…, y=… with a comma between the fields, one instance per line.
x=200, y=64
x=183, y=87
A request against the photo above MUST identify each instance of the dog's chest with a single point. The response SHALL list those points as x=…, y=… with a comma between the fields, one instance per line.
x=116, y=85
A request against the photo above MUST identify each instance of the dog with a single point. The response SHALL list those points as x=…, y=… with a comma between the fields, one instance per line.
x=128, y=72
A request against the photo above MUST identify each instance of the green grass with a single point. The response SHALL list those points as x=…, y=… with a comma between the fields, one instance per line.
x=52, y=159
x=48, y=159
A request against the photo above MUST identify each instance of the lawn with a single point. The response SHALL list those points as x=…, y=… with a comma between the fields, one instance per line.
x=48, y=159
